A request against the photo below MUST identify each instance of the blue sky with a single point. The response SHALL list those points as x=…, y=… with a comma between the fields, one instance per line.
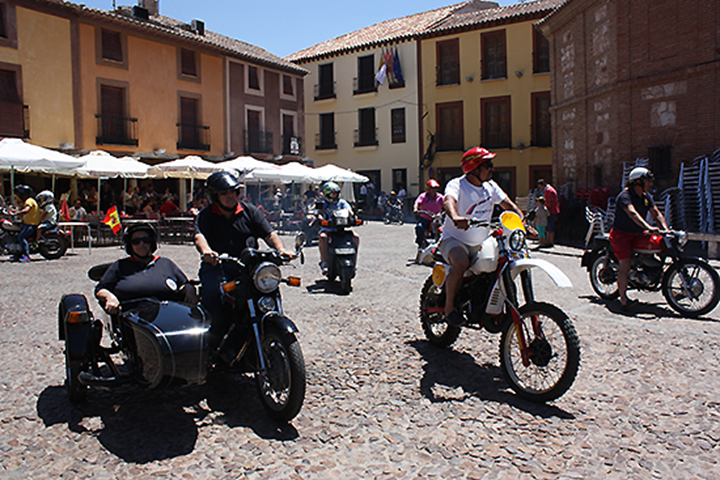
x=283, y=27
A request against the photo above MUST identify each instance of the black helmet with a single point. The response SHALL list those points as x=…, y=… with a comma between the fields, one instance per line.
x=24, y=192
x=138, y=227
x=220, y=181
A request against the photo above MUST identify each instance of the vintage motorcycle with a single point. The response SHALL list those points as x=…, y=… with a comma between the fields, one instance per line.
x=426, y=252
x=690, y=285
x=539, y=346
x=342, y=250
x=165, y=343
x=52, y=244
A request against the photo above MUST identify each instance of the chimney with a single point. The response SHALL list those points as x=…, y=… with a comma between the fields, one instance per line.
x=152, y=6
x=198, y=26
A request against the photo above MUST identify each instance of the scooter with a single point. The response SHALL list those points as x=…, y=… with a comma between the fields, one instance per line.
x=342, y=249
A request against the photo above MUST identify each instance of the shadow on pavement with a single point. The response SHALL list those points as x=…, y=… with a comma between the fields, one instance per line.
x=325, y=286
x=142, y=426
x=447, y=369
x=643, y=310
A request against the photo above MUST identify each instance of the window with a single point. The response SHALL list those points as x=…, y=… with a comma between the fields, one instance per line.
x=327, y=132
x=541, y=127
x=112, y=46
x=3, y=28
x=448, y=62
x=397, y=119
x=399, y=176
x=493, y=55
x=366, y=134
x=188, y=62
x=114, y=126
x=290, y=142
x=326, y=83
x=449, y=126
x=253, y=78
x=257, y=139
x=8, y=25
x=287, y=86
x=365, y=81
x=661, y=161
x=505, y=178
x=541, y=53
x=192, y=135
x=496, y=122
x=12, y=115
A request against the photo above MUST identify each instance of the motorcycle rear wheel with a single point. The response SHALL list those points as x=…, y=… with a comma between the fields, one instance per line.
x=346, y=274
x=282, y=387
x=53, y=246
x=603, y=282
x=437, y=331
x=703, y=284
x=555, y=354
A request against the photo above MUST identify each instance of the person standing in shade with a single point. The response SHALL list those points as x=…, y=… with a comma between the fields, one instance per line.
x=553, y=206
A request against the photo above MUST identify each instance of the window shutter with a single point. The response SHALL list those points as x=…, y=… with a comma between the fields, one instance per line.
x=188, y=65
x=112, y=46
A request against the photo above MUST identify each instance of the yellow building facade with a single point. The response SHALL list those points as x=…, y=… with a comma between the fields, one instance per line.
x=485, y=83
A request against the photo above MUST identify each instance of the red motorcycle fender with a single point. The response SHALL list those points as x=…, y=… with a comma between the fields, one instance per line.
x=280, y=321
x=76, y=330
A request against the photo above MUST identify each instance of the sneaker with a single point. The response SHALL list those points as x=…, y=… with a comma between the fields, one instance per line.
x=455, y=319
x=34, y=245
x=629, y=305
x=324, y=268
x=24, y=259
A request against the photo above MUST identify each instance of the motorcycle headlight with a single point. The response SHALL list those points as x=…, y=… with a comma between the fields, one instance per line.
x=682, y=238
x=517, y=240
x=266, y=304
x=267, y=277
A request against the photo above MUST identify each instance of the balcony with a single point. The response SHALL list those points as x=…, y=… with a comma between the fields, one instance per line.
x=193, y=137
x=364, y=84
x=291, y=145
x=115, y=130
x=258, y=141
x=14, y=120
x=326, y=142
x=494, y=68
x=324, y=91
x=366, y=137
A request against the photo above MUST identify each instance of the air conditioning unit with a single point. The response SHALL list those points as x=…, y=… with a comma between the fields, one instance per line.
x=141, y=13
x=198, y=27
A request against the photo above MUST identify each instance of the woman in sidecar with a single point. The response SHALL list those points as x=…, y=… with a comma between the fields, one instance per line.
x=142, y=274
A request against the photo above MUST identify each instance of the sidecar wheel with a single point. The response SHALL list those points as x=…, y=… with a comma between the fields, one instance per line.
x=53, y=247
x=282, y=387
x=76, y=390
x=603, y=277
x=437, y=331
x=554, y=353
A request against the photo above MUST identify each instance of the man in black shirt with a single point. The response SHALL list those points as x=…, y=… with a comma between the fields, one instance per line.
x=227, y=226
x=631, y=208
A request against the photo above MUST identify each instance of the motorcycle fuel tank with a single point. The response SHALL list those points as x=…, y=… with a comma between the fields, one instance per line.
x=648, y=244
x=169, y=340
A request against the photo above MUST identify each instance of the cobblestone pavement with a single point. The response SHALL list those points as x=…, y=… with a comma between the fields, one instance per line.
x=381, y=402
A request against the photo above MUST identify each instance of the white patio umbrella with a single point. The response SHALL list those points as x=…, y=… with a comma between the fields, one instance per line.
x=246, y=167
x=291, y=172
x=334, y=173
x=102, y=165
x=18, y=155
x=192, y=167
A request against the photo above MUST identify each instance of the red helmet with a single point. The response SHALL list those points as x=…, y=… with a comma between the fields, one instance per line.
x=432, y=183
x=475, y=157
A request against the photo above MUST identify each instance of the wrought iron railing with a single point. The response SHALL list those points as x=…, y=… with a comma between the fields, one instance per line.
x=324, y=91
x=541, y=134
x=541, y=62
x=364, y=84
x=494, y=68
x=258, y=141
x=325, y=143
x=291, y=145
x=116, y=130
x=193, y=137
x=366, y=137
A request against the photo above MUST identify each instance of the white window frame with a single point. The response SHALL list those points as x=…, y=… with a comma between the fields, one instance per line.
x=261, y=80
x=290, y=113
x=255, y=108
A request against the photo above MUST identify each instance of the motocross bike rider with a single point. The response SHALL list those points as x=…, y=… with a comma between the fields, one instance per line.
x=227, y=226
x=331, y=201
x=473, y=195
x=631, y=208
x=31, y=219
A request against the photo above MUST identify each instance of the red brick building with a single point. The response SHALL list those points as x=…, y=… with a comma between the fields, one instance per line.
x=632, y=78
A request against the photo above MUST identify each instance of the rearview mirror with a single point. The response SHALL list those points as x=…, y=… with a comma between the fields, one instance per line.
x=299, y=241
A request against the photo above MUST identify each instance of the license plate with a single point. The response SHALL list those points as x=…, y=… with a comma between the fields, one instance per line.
x=344, y=251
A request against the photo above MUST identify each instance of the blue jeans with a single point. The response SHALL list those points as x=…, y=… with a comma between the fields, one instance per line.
x=420, y=228
x=27, y=231
x=211, y=277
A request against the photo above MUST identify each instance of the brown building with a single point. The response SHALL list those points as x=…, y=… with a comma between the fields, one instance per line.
x=632, y=79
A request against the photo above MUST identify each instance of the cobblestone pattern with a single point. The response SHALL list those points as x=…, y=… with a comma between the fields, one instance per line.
x=381, y=402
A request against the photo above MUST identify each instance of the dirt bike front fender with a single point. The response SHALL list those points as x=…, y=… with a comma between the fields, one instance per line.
x=557, y=275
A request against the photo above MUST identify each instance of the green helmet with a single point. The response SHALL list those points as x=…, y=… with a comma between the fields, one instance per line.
x=331, y=187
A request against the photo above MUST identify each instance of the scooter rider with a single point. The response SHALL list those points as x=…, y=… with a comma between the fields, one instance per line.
x=428, y=201
x=142, y=274
x=31, y=219
x=49, y=212
x=331, y=201
x=473, y=195
x=227, y=226
x=631, y=208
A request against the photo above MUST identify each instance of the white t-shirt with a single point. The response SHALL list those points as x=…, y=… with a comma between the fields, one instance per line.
x=472, y=202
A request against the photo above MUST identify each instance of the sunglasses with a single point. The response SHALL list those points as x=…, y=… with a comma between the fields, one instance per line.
x=488, y=165
x=225, y=192
x=138, y=241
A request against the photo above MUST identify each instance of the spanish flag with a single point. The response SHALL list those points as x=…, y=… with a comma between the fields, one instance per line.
x=112, y=219
x=65, y=211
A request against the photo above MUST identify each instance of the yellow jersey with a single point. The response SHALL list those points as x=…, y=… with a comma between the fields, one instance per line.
x=34, y=215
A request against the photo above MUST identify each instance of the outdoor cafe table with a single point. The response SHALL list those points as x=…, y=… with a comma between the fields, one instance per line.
x=72, y=226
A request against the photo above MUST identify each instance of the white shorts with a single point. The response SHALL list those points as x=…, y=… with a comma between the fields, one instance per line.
x=447, y=244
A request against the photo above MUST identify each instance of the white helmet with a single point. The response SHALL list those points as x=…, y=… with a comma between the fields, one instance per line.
x=45, y=197
x=639, y=173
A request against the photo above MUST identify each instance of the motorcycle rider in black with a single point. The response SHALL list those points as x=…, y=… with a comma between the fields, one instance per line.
x=330, y=201
x=142, y=274
x=227, y=226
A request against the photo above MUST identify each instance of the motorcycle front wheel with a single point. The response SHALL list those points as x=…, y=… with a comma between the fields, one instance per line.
x=282, y=386
x=436, y=329
x=691, y=287
x=554, y=353
x=53, y=246
x=603, y=277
